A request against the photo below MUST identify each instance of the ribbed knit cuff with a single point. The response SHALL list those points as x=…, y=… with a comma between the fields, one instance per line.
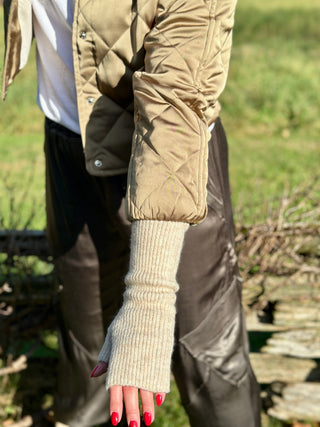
x=139, y=342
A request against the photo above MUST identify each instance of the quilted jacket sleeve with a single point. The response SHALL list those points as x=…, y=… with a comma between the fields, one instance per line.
x=176, y=99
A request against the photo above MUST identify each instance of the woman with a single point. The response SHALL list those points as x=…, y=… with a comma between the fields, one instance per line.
x=139, y=81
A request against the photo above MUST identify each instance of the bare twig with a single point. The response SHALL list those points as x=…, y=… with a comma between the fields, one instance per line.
x=26, y=421
x=17, y=365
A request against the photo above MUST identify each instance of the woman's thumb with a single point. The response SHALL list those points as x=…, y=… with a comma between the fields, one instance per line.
x=100, y=369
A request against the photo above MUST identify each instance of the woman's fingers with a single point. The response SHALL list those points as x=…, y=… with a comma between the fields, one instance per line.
x=116, y=405
x=147, y=406
x=131, y=402
x=100, y=369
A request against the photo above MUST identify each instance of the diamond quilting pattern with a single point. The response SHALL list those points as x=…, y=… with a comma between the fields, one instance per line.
x=182, y=70
x=172, y=52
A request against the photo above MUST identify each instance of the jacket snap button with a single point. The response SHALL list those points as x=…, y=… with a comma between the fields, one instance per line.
x=98, y=163
x=90, y=100
x=83, y=35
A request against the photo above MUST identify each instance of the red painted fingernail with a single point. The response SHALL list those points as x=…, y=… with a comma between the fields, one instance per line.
x=114, y=418
x=133, y=424
x=159, y=399
x=147, y=418
x=92, y=373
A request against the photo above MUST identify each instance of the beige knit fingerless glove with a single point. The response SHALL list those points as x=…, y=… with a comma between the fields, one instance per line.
x=139, y=341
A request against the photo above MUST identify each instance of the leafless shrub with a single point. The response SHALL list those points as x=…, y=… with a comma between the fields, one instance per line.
x=289, y=241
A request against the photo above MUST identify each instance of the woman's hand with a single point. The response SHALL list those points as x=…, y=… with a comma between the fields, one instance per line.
x=139, y=341
x=130, y=396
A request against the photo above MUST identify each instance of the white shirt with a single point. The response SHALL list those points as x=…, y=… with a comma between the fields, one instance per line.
x=56, y=86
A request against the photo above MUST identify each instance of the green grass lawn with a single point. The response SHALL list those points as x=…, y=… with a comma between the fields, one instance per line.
x=271, y=109
x=21, y=153
x=272, y=102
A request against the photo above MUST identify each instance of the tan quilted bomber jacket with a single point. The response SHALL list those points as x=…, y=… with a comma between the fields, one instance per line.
x=148, y=76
